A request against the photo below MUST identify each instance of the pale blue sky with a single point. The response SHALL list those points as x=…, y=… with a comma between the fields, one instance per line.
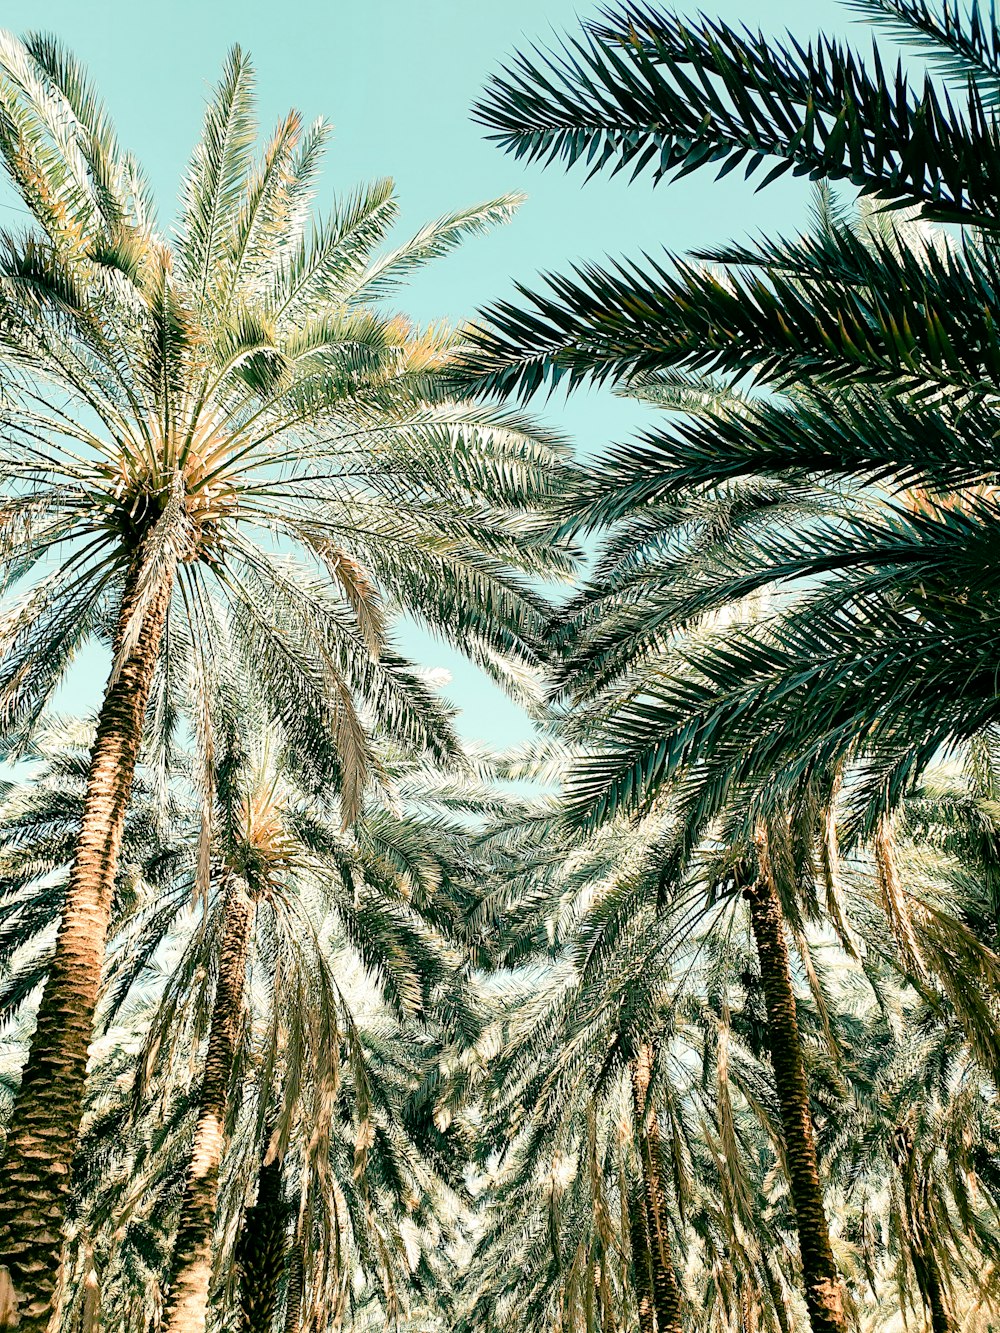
x=397, y=79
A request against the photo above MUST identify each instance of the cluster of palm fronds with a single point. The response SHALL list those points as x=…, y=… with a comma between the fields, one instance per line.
x=787, y=622
x=688, y=1016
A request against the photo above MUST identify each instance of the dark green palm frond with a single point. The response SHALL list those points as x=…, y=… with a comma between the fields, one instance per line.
x=834, y=311
x=959, y=45
x=746, y=708
x=651, y=91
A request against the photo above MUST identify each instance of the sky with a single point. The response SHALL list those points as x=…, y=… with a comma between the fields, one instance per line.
x=397, y=79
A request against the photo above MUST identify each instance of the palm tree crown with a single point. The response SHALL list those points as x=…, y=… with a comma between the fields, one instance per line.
x=233, y=400
x=219, y=446
x=856, y=487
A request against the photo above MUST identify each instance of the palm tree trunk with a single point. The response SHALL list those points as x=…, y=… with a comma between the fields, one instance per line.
x=925, y=1264
x=260, y=1252
x=296, y=1283
x=932, y=1290
x=90, y=1318
x=823, y=1291
x=642, y=1267
x=35, y=1180
x=666, y=1289
x=191, y=1266
x=928, y=1272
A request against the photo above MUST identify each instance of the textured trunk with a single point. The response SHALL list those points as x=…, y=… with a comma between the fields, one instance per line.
x=666, y=1289
x=90, y=1318
x=823, y=1291
x=260, y=1252
x=932, y=1290
x=928, y=1271
x=35, y=1180
x=925, y=1265
x=191, y=1267
x=642, y=1268
x=296, y=1276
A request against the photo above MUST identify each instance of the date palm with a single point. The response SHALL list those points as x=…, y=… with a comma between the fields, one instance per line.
x=580, y=1081
x=276, y=853
x=628, y=910
x=891, y=349
x=877, y=644
x=915, y=1148
x=701, y=868
x=224, y=426
x=301, y=919
x=261, y=1249
x=915, y=1143
x=334, y=1225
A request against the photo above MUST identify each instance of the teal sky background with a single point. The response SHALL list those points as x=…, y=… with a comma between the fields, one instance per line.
x=397, y=79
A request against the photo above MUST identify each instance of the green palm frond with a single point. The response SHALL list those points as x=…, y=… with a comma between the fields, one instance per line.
x=217, y=177
x=650, y=91
x=432, y=241
x=839, y=309
x=960, y=45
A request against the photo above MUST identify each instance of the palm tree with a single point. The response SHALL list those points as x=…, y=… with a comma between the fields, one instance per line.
x=698, y=869
x=890, y=348
x=224, y=424
x=880, y=653
x=566, y=1084
x=569, y=1202
x=628, y=913
x=273, y=850
x=300, y=1053
x=915, y=1142
x=192, y=1266
x=647, y=630
x=823, y=1290
x=895, y=1062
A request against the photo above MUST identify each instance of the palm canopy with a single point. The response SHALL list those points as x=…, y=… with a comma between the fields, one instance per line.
x=391, y=893
x=846, y=537
x=852, y=494
x=235, y=405
x=830, y=308
x=223, y=445
x=357, y=978
x=627, y=938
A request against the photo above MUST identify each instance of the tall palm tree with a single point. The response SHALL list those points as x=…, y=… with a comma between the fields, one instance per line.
x=273, y=850
x=568, y=1097
x=914, y=1144
x=897, y=1075
x=888, y=398
x=191, y=1270
x=823, y=1289
x=699, y=869
x=299, y=1052
x=628, y=920
x=223, y=423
